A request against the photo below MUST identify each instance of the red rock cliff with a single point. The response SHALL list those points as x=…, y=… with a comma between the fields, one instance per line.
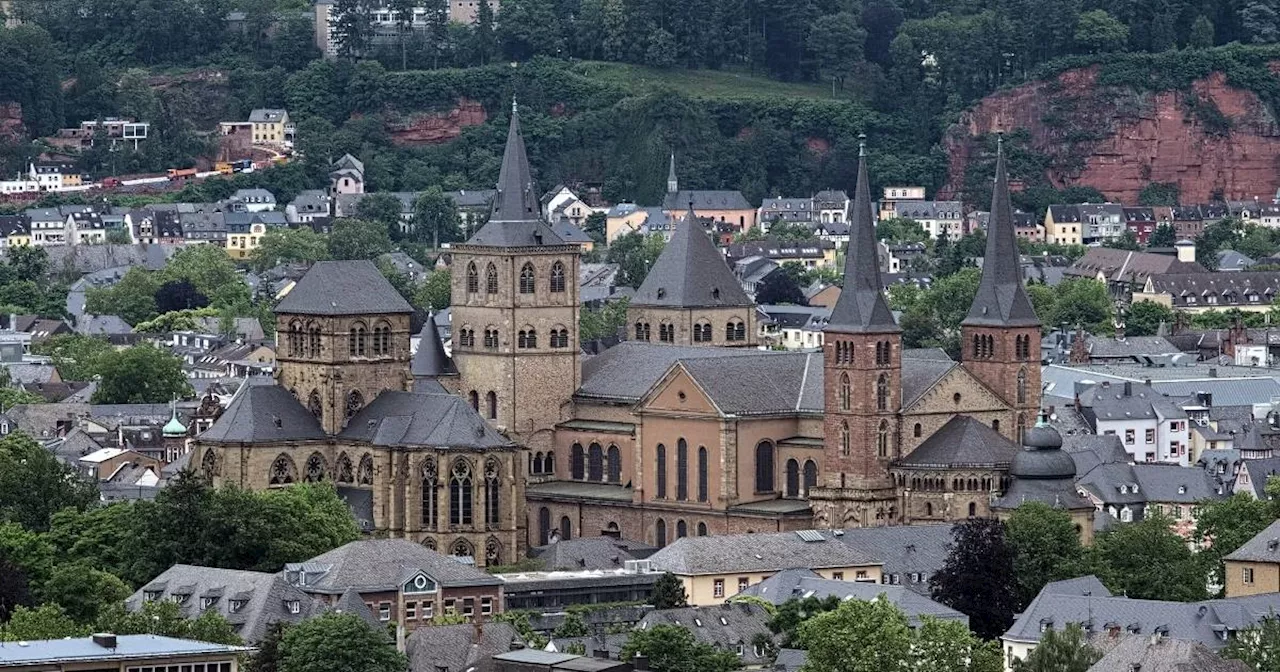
x=438, y=127
x=11, y=128
x=1118, y=141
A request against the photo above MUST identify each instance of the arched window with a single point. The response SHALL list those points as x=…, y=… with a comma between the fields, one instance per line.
x=356, y=340
x=557, y=277
x=682, y=530
x=577, y=463
x=430, y=495
x=846, y=392
x=995, y=424
x=595, y=463
x=682, y=470
x=491, y=279
x=317, y=468
x=526, y=278
x=460, y=494
x=792, y=488
x=492, y=490
x=549, y=464
x=928, y=508
x=492, y=399
x=315, y=406
x=491, y=338
x=703, y=475
x=527, y=339
x=544, y=526
x=667, y=333
x=844, y=438
x=474, y=397
x=560, y=338
x=810, y=476
x=764, y=467
x=473, y=278
x=355, y=402
x=702, y=529
x=642, y=331
x=467, y=337
x=492, y=552
x=295, y=339
x=566, y=528
x=614, y=464
x=283, y=471
x=973, y=509
x=1022, y=385
x=977, y=346
x=916, y=430
x=313, y=341
x=660, y=533
x=735, y=330
x=209, y=465
x=882, y=392
x=882, y=439
x=1022, y=427
x=661, y=466
x=702, y=332
x=382, y=339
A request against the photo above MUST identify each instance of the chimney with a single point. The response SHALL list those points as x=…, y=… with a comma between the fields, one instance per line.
x=640, y=663
x=1186, y=250
x=105, y=639
x=477, y=631
x=1213, y=373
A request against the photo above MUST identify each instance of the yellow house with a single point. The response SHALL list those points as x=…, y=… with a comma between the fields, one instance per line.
x=242, y=241
x=714, y=569
x=1062, y=225
x=15, y=230
x=269, y=125
x=1254, y=568
x=625, y=218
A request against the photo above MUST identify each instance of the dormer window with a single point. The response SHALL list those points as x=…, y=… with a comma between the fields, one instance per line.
x=180, y=598
x=206, y=602
x=151, y=595
x=1182, y=489
x=293, y=606
x=235, y=606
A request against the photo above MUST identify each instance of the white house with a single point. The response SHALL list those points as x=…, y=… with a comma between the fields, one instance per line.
x=1151, y=426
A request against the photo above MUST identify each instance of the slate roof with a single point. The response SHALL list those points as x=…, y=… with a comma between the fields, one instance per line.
x=516, y=219
x=52, y=653
x=1164, y=654
x=455, y=647
x=1132, y=346
x=862, y=307
x=431, y=360
x=1230, y=260
x=1263, y=547
x=1259, y=471
x=371, y=565
x=766, y=383
x=265, y=597
x=962, y=441
x=265, y=115
x=725, y=199
x=263, y=413
x=724, y=626
x=343, y=288
x=1001, y=299
x=408, y=419
x=1229, y=288
x=14, y=224
x=904, y=550
x=1128, y=401
x=743, y=553
x=1129, y=266
x=690, y=272
x=102, y=324
x=804, y=583
x=591, y=553
x=628, y=370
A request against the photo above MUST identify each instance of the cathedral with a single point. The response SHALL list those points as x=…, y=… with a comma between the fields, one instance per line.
x=685, y=428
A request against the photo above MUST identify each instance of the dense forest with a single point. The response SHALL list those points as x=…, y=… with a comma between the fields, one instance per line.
x=606, y=83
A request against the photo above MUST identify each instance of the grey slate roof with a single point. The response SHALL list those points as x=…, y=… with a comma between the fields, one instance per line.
x=628, y=370
x=1164, y=654
x=962, y=441
x=766, y=383
x=1001, y=299
x=742, y=553
x=51, y=652
x=265, y=595
x=431, y=360
x=724, y=626
x=456, y=647
x=862, y=307
x=1263, y=547
x=102, y=324
x=516, y=219
x=370, y=565
x=591, y=553
x=690, y=272
x=703, y=199
x=263, y=413
x=803, y=583
x=343, y=288
x=1258, y=471
x=905, y=550
x=408, y=419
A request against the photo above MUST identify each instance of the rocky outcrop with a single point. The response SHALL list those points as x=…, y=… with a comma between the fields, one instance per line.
x=437, y=127
x=1214, y=140
x=12, y=130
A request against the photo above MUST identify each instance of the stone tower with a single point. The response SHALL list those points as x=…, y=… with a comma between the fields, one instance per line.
x=515, y=310
x=690, y=297
x=1000, y=338
x=342, y=337
x=862, y=369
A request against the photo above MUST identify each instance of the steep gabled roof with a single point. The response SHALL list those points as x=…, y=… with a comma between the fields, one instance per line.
x=409, y=419
x=862, y=307
x=1001, y=299
x=516, y=217
x=343, y=288
x=962, y=441
x=431, y=360
x=690, y=272
x=264, y=413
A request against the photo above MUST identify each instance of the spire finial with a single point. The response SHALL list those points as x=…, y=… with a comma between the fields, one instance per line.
x=514, y=107
x=862, y=144
x=1000, y=141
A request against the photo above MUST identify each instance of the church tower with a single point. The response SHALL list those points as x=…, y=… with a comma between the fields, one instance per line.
x=515, y=310
x=690, y=297
x=1000, y=338
x=862, y=369
x=673, y=185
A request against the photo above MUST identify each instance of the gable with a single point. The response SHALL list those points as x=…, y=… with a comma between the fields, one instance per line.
x=678, y=392
x=941, y=397
x=419, y=584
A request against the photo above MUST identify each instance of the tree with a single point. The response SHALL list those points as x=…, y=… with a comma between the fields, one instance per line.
x=634, y=253
x=948, y=646
x=436, y=292
x=1098, y=32
x=1145, y=317
x=1201, y=36
x=1224, y=525
x=483, y=45
x=857, y=635
x=604, y=321
x=82, y=591
x=383, y=208
x=1260, y=20
x=784, y=231
x=1045, y=545
x=1127, y=241
x=1063, y=650
x=435, y=215
x=1163, y=236
x=793, y=613
x=1258, y=647
x=352, y=27
x=901, y=230
x=356, y=239
x=338, y=643
x=282, y=246
x=48, y=621
x=672, y=648
x=76, y=356
x=1082, y=301
x=1149, y=561
x=1224, y=233
x=779, y=287
x=179, y=295
x=668, y=592
x=165, y=619
x=837, y=41
x=1160, y=193
x=15, y=589
x=142, y=374
x=267, y=657
x=978, y=577
x=571, y=626
x=133, y=298
x=34, y=484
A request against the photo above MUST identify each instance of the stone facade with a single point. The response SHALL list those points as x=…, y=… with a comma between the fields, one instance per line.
x=729, y=326
x=1007, y=361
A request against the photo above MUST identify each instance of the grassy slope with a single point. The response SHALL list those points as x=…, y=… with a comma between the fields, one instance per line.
x=698, y=83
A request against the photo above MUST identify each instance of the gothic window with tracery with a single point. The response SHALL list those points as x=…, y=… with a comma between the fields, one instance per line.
x=492, y=553
x=491, y=279
x=460, y=494
x=527, y=283
x=316, y=469
x=557, y=277
x=355, y=402
x=344, y=471
x=492, y=505
x=209, y=465
x=314, y=405
x=364, y=475
x=430, y=495
x=473, y=278
x=882, y=392
x=283, y=471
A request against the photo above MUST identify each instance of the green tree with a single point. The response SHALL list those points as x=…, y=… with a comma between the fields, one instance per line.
x=29, y=262
x=383, y=208
x=1046, y=547
x=668, y=592
x=1163, y=236
x=1224, y=525
x=133, y=298
x=1147, y=560
x=15, y=589
x=1160, y=193
x=352, y=27
x=1260, y=20
x=1098, y=32
x=1082, y=301
x=857, y=636
x=142, y=374
x=338, y=643
x=34, y=484
x=436, y=292
x=83, y=591
x=837, y=42
x=978, y=578
x=1127, y=241
x=1145, y=317
x=790, y=615
x=435, y=217
x=76, y=356
x=1201, y=36
x=165, y=619
x=1063, y=650
x=603, y=322
x=948, y=646
x=901, y=230
x=571, y=626
x=12, y=396
x=1258, y=647
x=483, y=44
x=48, y=621
x=780, y=287
x=282, y=246
x=267, y=657
x=671, y=648
x=356, y=239
x=634, y=253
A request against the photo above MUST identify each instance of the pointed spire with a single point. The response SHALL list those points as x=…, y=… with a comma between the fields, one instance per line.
x=517, y=200
x=673, y=184
x=430, y=360
x=1002, y=299
x=690, y=272
x=862, y=307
